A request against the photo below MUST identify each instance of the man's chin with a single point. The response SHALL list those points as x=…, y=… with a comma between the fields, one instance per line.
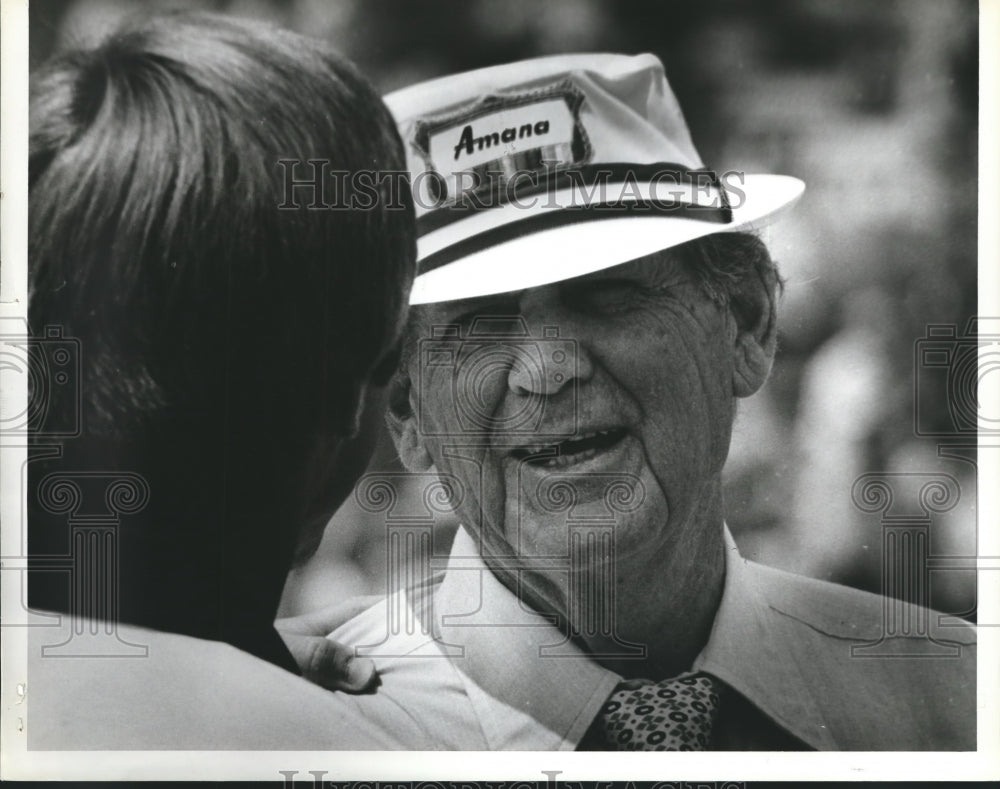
x=591, y=540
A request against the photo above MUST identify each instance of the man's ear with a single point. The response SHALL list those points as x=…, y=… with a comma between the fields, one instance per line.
x=755, y=309
x=402, y=424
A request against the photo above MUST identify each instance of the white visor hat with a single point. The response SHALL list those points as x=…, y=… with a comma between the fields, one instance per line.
x=544, y=170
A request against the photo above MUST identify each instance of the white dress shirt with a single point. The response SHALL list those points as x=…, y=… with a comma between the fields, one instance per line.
x=499, y=676
x=473, y=668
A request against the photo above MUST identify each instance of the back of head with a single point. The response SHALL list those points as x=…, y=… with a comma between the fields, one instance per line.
x=162, y=235
x=226, y=321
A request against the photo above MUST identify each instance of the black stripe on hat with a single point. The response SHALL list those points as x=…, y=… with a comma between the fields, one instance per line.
x=496, y=189
x=568, y=216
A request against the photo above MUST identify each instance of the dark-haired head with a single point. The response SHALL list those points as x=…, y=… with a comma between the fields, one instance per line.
x=228, y=326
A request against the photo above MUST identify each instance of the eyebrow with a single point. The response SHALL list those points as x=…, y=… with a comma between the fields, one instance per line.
x=461, y=307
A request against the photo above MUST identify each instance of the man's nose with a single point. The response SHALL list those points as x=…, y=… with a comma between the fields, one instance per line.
x=557, y=355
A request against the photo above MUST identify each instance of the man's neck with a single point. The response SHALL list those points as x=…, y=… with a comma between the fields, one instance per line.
x=665, y=601
x=202, y=557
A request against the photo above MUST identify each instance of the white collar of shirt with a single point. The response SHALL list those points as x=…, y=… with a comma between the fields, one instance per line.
x=529, y=693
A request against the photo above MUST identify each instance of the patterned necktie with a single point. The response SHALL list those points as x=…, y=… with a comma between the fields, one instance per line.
x=672, y=715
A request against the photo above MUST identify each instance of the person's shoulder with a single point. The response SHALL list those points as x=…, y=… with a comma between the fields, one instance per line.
x=417, y=676
x=884, y=674
x=165, y=690
x=843, y=612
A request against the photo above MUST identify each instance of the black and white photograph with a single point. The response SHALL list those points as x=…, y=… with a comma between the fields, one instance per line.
x=500, y=389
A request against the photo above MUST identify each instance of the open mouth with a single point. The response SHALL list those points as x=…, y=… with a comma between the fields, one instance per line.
x=573, y=450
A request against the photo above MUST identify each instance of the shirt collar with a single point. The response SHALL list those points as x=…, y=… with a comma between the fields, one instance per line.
x=532, y=689
x=746, y=650
x=525, y=696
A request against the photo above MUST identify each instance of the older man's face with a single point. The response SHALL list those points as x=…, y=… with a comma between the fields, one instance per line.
x=647, y=400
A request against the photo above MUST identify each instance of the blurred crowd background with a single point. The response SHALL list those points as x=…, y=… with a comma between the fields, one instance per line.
x=873, y=103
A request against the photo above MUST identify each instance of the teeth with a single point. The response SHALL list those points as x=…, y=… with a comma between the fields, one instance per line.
x=567, y=459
